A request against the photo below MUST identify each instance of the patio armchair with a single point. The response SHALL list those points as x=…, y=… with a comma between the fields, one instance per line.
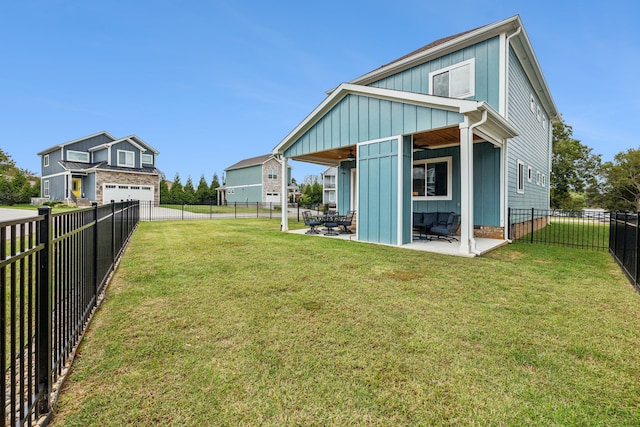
x=448, y=230
x=345, y=222
x=311, y=222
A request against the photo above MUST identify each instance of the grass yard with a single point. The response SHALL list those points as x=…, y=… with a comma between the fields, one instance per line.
x=233, y=323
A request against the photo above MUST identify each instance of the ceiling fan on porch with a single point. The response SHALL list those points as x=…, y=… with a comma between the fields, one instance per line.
x=351, y=156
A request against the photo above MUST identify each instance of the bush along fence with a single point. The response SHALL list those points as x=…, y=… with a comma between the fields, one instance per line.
x=578, y=229
x=53, y=270
x=624, y=244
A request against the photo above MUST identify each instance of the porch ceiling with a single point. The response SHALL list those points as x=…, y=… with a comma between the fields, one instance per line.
x=431, y=139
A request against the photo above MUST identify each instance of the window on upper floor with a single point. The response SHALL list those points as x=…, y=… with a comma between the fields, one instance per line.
x=455, y=81
x=147, y=159
x=77, y=156
x=272, y=174
x=520, y=188
x=432, y=179
x=126, y=158
x=45, y=160
x=529, y=174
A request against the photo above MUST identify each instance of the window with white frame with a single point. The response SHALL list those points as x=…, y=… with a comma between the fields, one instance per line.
x=77, y=156
x=147, y=159
x=272, y=174
x=520, y=182
x=529, y=174
x=45, y=188
x=455, y=81
x=432, y=179
x=538, y=177
x=126, y=158
x=45, y=160
x=544, y=180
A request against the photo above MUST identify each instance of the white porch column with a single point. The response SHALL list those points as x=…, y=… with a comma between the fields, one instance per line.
x=467, y=243
x=284, y=225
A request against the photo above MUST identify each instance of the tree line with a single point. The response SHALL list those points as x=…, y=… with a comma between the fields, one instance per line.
x=580, y=179
x=179, y=194
x=16, y=184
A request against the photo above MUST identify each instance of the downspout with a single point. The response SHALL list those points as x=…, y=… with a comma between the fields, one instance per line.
x=505, y=144
x=482, y=121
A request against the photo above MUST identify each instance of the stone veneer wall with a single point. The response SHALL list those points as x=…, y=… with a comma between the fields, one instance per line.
x=110, y=177
x=271, y=185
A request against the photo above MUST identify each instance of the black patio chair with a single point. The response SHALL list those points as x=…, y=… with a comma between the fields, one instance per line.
x=345, y=222
x=447, y=231
x=311, y=222
x=330, y=222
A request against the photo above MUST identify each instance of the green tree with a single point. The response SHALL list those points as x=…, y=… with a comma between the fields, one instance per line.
x=311, y=191
x=165, y=196
x=213, y=188
x=574, y=168
x=622, y=181
x=203, y=193
x=189, y=192
x=176, y=193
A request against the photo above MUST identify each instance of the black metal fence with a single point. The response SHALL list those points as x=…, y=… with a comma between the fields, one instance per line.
x=149, y=211
x=53, y=268
x=579, y=229
x=624, y=244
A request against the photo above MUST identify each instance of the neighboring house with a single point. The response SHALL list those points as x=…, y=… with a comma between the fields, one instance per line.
x=329, y=187
x=462, y=124
x=255, y=180
x=100, y=168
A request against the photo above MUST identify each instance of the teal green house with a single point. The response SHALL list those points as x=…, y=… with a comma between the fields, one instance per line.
x=461, y=125
x=255, y=180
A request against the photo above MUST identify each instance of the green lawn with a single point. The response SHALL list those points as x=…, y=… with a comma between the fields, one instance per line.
x=233, y=323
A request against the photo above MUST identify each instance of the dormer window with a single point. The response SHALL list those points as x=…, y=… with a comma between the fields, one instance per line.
x=46, y=160
x=126, y=158
x=77, y=156
x=146, y=159
x=455, y=81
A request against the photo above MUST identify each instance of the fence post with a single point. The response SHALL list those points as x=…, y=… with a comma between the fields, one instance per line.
x=95, y=253
x=235, y=209
x=257, y=209
x=509, y=223
x=113, y=233
x=43, y=315
x=637, y=269
x=532, y=227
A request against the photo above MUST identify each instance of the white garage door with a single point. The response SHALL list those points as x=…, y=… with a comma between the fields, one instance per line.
x=119, y=192
x=273, y=198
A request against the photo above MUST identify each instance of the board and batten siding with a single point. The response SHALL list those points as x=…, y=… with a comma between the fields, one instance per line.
x=487, y=72
x=358, y=118
x=533, y=144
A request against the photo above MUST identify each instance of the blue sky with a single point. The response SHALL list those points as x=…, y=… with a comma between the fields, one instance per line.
x=209, y=83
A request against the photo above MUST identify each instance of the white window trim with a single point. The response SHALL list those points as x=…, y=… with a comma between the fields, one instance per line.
x=538, y=177
x=45, y=160
x=472, y=77
x=448, y=160
x=529, y=174
x=76, y=153
x=544, y=180
x=125, y=164
x=148, y=156
x=520, y=174
x=45, y=188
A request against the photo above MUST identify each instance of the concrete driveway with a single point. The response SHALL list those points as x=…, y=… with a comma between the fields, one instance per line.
x=11, y=214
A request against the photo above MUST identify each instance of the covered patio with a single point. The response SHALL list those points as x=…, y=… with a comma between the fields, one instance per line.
x=442, y=247
x=375, y=137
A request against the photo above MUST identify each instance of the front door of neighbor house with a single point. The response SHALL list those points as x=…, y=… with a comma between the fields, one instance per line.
x=76, y=187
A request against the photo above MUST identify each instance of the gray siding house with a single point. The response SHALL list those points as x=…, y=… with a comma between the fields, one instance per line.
x=255, y=180
x=100, y=168
x=460, y=125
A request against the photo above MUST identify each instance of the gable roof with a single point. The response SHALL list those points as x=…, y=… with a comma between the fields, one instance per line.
x=133, y=139
x=56, y=147
x=86, y=167
x=253, y=161
x=513, y=29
